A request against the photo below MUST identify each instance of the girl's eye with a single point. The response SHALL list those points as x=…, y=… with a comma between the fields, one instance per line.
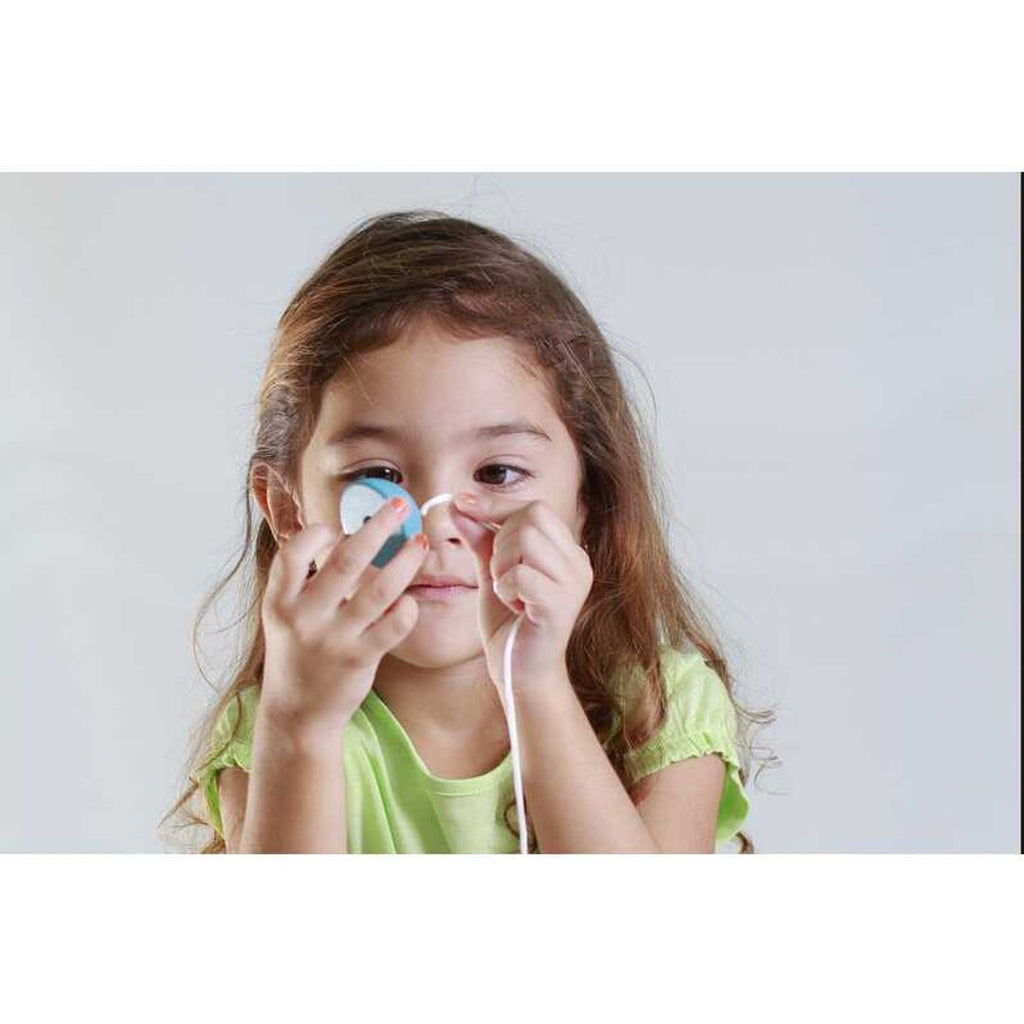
x=524, y=474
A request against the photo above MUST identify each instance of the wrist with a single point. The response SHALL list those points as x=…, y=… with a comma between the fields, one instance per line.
x=298, y=731
x=547, y=691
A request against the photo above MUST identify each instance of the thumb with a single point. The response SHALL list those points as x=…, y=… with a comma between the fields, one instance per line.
x=479, y=539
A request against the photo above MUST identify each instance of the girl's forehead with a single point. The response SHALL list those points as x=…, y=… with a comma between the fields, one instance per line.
x=425, y=372
x=434, y=392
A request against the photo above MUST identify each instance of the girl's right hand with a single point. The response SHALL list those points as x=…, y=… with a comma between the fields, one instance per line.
x=322, y=650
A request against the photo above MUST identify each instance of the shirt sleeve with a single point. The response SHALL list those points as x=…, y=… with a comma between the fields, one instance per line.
x=224, y=753
x=699, y=719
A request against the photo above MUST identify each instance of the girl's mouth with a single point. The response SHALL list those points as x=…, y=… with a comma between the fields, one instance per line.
x=424, y=593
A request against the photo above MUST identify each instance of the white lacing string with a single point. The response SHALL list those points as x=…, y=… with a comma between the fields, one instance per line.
x=517, y=776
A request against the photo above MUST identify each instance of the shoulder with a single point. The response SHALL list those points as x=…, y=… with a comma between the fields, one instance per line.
x=235, y=723
x=230, y=746
x=699, y=717
x=695, y=694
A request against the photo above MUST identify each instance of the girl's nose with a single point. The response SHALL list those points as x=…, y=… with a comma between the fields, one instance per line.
x=437, y=521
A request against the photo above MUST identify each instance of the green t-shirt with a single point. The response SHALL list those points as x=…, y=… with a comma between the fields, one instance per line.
x=395, y=805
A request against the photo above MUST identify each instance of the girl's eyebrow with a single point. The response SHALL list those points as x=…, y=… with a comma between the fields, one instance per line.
x=361, y=431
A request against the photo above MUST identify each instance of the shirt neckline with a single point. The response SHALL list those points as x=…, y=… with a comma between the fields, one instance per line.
x=384, y=717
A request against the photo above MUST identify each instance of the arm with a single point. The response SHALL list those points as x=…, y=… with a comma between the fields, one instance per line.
x=577, y=802
x=295, y=798
x=680, y=808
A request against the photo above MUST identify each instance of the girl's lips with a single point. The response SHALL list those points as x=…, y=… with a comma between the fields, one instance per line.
x=428, y=593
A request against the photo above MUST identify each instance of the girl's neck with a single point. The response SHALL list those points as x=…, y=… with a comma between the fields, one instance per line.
x=453, y=702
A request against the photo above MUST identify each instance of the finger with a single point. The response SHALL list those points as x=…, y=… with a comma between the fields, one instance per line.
x=525, y=589
x=340, y=572
x=290, y=565
x=392, y=627
x=489, y=510
x=531, y=544
x=377, y=597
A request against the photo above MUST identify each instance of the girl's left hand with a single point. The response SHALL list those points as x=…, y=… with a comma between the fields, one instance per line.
x=531, y=564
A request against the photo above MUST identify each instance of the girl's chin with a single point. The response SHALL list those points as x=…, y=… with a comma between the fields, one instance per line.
x=452, y=639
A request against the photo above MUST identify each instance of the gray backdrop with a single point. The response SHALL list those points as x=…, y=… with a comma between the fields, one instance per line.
x=834, y=362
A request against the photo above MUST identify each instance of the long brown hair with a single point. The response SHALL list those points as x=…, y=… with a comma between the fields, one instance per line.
x=392, y=272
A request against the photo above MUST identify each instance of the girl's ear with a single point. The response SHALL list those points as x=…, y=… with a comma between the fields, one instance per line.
x=274, y=497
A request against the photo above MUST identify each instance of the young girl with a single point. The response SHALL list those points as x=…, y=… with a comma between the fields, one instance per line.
x=367, y=713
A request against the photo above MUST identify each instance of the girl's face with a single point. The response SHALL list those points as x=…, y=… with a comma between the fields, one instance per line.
x=431, y=401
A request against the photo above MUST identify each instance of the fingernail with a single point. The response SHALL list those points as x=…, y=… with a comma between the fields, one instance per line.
x=466, y=499
x=398, y=504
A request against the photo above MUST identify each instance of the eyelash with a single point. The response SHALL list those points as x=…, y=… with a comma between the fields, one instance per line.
x=526, y=474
